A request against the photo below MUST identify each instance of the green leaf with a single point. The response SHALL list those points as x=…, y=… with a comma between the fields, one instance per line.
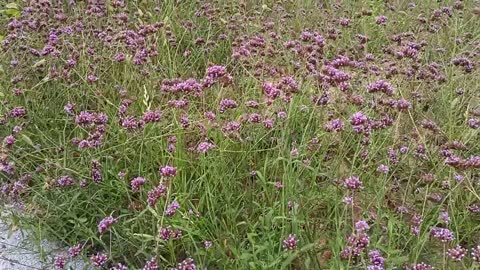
x=147, y=237
x=12, y=5
x=82, y=220
x=153, y=212
x=27, y=139
x=12, y=13
x=454, y=103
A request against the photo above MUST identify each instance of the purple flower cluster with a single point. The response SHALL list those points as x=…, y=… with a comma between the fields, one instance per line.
x=290, y=243
x=99, y=259
x=442, y=234
x=457, y=254
x=336, y=125
x=227, y=104
x=136, y=183
x=168, y=171
x=352, y=183
x=106, y=223
x=151, y=264
x=381, y=86
x=65, y=181
x=96, y=171
x=155, y=194
x=74, y=251
x=376, y=259
x=187, y=264
x=166, y=233
x=18, y=112
x=172, y=208
x=356, y=244
x=152, y=116
x=60, y=261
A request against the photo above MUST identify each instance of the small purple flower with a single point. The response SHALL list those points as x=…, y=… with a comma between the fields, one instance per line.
x=71, y=62
x=60, y=262
x=476, y=254
x=361, y=226
x=151, y=264
x=155, y=194
x=255, y=118
x=442, y=234
x=290, y=243
x=457, y=253
x=99, y=259
x=187, y=264
x=84, y=118
x=9, y=140
x=216, y=72
x=151, y=116
x=227, y=104
x=414, y=230
x=210, y=116
x=18, y=112
x=17, y=129
x=75, y=250
x=334, y=125
x=421, y=266
x=252, y=104
x=459, y=178
x=268, y=123
x=282, y=115
x=168, y=171
x=403, y=149
x=119, y=57
x=172, y=208
x=121, y=174
x=165, y=233
x=383, y=168
x=83, y=183
x=444, y=217
x=207, y=244
x=65, y=181
x=473, y=123
x=69, y=108
x=347, y=200
x=203, y=147
x=96, y=172
x=106, y=224
x=136, y=183
x=278, y=185
x=352, y=182
x=376, y=258
x=92, y=78
x=403, y=105
x=358, y=118
x=119, y=266
x=381, y=86
x=381, y=20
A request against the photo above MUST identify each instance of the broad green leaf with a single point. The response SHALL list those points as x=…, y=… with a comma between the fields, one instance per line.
x=12, y=13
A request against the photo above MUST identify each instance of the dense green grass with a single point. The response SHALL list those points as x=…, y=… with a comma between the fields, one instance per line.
x=232, y=187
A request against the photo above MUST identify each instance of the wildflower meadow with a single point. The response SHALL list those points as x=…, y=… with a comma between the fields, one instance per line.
x=216, y=134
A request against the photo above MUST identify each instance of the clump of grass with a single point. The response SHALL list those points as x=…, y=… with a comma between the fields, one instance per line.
x=225, y=135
